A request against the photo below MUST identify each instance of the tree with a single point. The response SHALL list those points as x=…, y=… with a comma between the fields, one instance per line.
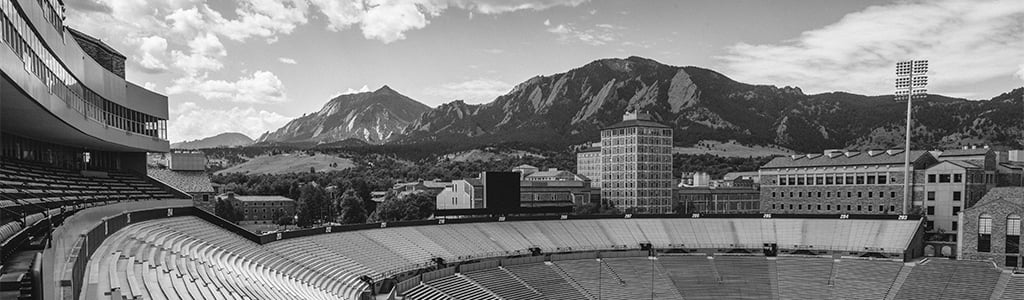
x=415, y=206
x=351, y=208
x=313, y=206
x=226, y=210
x=591, y=208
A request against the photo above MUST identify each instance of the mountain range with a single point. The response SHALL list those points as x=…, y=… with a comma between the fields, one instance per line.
x=374, y=117
x=227, y=139
x=700, y=104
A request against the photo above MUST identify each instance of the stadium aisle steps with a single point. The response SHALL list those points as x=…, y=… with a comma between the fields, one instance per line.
x=426, y=292
x=692, y=276
x=1014, y=287
x=459, y=287
x=1000, y=288
x=869, y=279
x=549, y=282
x=744, y=276
x=500, y=282
x=897, y=284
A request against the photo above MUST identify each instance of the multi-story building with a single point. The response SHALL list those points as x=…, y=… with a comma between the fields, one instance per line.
x=837, y=182
x=588, y=164
x=951, y=186
x=66, y=103
x=991, y=229
x=636, y=164
x=260, y=209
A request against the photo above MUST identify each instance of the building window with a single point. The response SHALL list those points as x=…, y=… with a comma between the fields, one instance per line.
x=828, y=207
x=957, y=195
x=956, y=210
x=958, y=178
x=892, y=194
x=892, y=208
x=943, y=178
x=869, y=207
x=819, y=206
x=931, y=210
x=1011, y=261
x=956, y=226
x=984, y=233
x=858, y=207
x=931, y=196
x=871, y=194
x=1012, y=234
x=931, y=178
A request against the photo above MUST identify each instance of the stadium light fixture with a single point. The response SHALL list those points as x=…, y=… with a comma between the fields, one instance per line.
x=911, y=80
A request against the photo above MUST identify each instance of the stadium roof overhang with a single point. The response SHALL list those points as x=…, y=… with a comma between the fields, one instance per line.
x=23, y=116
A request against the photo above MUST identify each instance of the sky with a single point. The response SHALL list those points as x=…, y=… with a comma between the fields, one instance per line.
x=251, y=66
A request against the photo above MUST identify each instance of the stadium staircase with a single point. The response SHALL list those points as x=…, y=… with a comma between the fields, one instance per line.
x=1014, y=287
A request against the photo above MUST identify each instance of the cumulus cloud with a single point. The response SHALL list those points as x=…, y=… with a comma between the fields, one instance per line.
x=260, y=87
x=388, y=20
x=189, y=121
x=472, y=91
x=287, y=60
x=205, y=53
x=263, y=18
x=966, y=42
x=152, y=49
x=363, y=89
x=600, y=34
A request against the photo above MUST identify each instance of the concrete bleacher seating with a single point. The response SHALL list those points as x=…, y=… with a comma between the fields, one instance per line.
x=187, y=258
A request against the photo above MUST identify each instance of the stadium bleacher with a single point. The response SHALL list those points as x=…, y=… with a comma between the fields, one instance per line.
x=186, y=257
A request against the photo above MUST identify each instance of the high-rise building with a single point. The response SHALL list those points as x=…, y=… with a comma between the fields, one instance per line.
x=588, y=164
x=636, y=164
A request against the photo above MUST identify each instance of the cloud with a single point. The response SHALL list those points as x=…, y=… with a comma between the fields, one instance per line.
x=966, y=42
x=601, y=34
x=260, y=87
x=263, y=18
x=189, y=121
x=205, y=52
x=388, y=20
x=473, y=91
x=363, y=89
x=547, y=22
x=149, y=86
x=151, y=51
x=89, y=5
x=287, y=60
x=1020, y=73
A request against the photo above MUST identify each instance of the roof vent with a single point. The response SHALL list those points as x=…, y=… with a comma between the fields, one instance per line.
x=796, y=156
x=834, y=154
x=894, y=151
x=851, y=153
x=830, y=151
x=813, y=155
x=872, y=153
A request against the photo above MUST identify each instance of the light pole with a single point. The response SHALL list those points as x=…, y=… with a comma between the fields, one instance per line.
x=910, y=84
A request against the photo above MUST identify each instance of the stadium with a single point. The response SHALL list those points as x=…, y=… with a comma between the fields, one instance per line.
x=81, y=220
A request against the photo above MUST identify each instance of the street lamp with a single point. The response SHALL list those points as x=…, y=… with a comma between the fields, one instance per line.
x=910, y=84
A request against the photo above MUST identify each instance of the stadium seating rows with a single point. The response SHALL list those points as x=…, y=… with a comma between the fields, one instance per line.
x=694, y=277
x=27, y=188
x=186, y=257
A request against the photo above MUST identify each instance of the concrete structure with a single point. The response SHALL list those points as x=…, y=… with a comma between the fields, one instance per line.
x=706, y=200
x=951, y=186
x=588, y=163
x=462, y=194
x=405, y=188
x=186, y=161
x=695, y=179
x=842, y=182
x=991, y=229
x=260, y=209
x=636, y=164
x=65, y=100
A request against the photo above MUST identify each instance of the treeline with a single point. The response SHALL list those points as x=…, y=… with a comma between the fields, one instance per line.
x=344, y=196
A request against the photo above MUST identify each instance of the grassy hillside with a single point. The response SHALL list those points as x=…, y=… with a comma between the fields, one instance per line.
x=290, y=163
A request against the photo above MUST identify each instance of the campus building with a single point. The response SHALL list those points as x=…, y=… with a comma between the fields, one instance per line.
x=260, y=209
x=991, y=228
x=588, y=164
x=842, y=182
x=636, y=164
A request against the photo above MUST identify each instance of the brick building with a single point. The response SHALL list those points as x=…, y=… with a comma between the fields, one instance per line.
x=717, y=200
x=991, y=228
x=837, y=182
x=588, y=164
x=260, y=209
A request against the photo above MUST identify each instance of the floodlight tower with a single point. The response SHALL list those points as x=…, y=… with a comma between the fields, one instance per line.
x=911, y=80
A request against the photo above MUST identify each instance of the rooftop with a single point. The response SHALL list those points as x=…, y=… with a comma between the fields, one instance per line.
x=1013, y=194
x=963, y=152
x=838, y=159
x=186, y=181
x=636, y=123
x=98, y=42
x=260, y=198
